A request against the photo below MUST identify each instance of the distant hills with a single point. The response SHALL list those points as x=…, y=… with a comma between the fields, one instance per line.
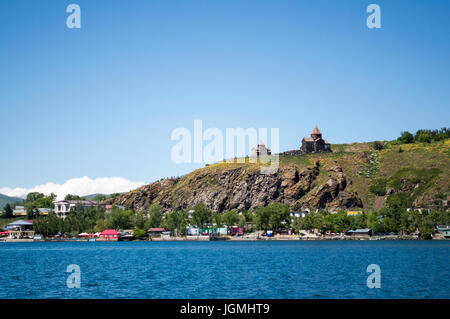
x=99, y=197
x=94, y=196
x=7, y=199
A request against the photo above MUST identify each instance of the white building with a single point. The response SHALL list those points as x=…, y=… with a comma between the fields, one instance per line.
x=65, y=207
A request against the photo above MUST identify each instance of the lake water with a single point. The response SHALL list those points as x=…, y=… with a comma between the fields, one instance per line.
x=264, y=269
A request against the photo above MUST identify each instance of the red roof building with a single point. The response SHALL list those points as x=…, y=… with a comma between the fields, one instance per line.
x=109, y=235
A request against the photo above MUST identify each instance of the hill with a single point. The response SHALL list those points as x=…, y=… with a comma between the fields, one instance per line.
x=7, y=199
x=353, y=176
x=99, y=197
x=94, y=196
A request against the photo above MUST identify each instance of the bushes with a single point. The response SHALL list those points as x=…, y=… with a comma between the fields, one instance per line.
x=378, y=187
x=406, y=183
x=407, y=177
x=424, y=136
x=139, y=233
x=406, y=138
x=377, y=145
x=428, y=136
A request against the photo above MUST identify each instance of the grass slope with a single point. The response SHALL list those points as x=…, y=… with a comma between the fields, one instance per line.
x=6, y=199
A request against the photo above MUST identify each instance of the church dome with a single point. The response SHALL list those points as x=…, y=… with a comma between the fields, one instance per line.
x=316, y=131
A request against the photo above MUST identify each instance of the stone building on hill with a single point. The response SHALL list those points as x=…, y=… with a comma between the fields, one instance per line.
x=260, y=150
x=315, y=143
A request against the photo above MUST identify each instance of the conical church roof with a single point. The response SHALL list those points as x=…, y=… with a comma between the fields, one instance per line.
x=316, y=131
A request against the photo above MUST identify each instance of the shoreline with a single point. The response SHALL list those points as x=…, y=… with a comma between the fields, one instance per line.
x=207, y=239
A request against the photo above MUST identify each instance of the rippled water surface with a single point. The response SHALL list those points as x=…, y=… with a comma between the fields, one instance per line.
x=321, y=269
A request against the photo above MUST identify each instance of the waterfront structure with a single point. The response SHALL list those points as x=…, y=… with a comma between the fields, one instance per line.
x=442, y=228
x=207, y=231
x=155, y=232
x=64, y=207
x=261, y=150
x=363, y=232
x=194, y=231
x=235, y=230
x=20, y=229
x=315, y=143
x=109, y=235
x=446, y=233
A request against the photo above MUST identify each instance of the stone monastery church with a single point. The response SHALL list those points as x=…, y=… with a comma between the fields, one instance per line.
x=313, y=144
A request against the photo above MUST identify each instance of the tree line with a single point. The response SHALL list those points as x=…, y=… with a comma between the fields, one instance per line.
x=424, y=136
x=276, y=216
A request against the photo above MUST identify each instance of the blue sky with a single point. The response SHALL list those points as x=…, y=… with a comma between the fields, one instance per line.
x=102, y=101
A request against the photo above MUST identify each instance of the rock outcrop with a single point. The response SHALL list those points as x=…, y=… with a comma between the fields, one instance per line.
x=240, y=187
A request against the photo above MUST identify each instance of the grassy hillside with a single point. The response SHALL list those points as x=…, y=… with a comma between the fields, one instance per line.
x=423, y=164
x=6, y=199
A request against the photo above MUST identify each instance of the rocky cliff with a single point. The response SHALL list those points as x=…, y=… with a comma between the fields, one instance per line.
x=244, y=187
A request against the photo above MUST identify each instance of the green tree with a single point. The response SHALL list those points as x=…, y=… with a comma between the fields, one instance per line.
x=230, y=218
x=275, y=216
x=31, y=212
x=47, y=226
x=155, y=216
x=202, y=215
x=423, y=136
x=279, y=215
x=262, y=218
x=7, y=211
x=139, y=233
x=37, y=200
x=406, y=138
x=176, y=221
x=120, y=219
x=139, y=220
x=100, y=225
x=217, y=218
x=72, y=197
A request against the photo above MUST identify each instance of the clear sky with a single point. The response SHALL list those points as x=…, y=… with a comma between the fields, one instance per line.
x=102, y=101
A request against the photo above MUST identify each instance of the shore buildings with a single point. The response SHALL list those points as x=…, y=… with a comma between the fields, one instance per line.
x=109, y=235
x=64, y=207
x=155, y=232
x=20, y=229
x=364, y=232
x=19, y=211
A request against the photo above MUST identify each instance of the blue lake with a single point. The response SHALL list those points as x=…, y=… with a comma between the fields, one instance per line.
x=276, y=269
